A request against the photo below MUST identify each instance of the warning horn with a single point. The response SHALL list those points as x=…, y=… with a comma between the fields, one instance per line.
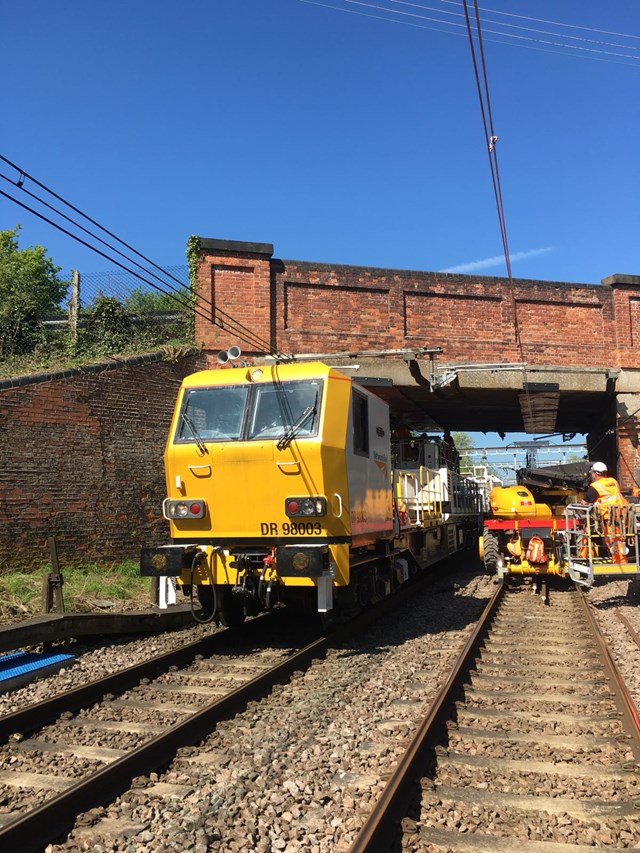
x=232, y=354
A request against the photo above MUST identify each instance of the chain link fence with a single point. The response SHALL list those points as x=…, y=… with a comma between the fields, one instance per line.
x=81, y=317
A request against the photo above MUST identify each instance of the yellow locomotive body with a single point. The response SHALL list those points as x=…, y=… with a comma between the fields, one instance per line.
x=281, y=490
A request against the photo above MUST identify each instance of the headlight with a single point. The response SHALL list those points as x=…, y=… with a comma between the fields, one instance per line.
x=183, y=509
x=311, y=507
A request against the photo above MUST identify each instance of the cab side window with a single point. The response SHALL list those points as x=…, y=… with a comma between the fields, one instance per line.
x=360, y=424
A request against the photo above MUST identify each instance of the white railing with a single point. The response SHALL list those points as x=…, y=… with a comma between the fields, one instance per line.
x=601, y=539
x=425, y=495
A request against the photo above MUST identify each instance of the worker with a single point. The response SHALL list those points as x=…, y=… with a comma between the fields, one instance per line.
x=603, y=489
x=604, y=493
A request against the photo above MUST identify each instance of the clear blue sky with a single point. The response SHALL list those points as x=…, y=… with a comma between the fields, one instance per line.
x=339, y=136
x=340, y=131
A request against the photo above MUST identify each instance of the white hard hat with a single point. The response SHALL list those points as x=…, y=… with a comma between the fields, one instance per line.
x=599, y=468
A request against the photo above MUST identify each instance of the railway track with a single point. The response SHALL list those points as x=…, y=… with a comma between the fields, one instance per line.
x=533, y=744
x=79, y=749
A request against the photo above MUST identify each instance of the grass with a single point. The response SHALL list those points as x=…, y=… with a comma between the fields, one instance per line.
x=85, y=587
x=51, y=357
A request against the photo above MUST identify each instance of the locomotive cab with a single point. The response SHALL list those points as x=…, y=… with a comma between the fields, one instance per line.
x=273, y=473
x=282, y=490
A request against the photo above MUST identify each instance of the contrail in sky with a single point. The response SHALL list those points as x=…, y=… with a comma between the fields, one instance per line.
x=472, y=266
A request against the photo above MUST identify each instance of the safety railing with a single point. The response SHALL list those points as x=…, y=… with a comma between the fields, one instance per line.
x=419, y=496
x=424, y=495
x=601, y=540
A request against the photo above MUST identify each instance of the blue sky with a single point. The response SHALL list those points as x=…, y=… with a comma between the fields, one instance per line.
x=340, y=131
x=347, y=134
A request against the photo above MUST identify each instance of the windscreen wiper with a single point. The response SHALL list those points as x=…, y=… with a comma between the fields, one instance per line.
x=202, y=447
x=295, y=426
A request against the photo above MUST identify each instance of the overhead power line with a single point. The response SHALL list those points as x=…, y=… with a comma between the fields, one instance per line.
x=217, y=316
x=540, y=40
x=545, y=21
x=521, y=26
x=491, y=139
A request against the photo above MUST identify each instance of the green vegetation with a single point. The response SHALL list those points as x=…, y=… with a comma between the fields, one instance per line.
x=30, y=289
x=85, y=586
x=35, y=333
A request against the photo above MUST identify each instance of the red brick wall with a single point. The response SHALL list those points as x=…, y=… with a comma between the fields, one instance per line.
x=298, y=306
x=234, y=300
x=470, y=318
x=81, y=460
x=311, y=307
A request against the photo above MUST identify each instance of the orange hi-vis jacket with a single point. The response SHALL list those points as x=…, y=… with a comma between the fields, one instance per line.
x=608, y=491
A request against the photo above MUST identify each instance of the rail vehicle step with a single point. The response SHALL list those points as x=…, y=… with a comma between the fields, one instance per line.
x=20, y=668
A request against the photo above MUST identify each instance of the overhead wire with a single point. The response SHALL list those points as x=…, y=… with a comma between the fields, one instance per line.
x=177, y=295
x=218, y=316
x=557, y=47
x=545, y=21
x=129, y=270
x=491, y=139
x=520, y=26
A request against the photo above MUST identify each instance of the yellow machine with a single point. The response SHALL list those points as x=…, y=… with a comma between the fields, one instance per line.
x=281, y=489
x=539, y=528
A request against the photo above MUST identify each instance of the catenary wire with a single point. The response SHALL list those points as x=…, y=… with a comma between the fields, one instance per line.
x=491, y=139
x=241, y=335
x=258, y=342
x=494, y=32
x=545, y=21
x=507, y=39
x=95, y=236
x=262, y=344
x=520, y=26
x=114, y=261
x=24, y=174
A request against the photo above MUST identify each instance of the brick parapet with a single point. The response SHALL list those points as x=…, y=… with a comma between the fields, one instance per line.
x=319, y=307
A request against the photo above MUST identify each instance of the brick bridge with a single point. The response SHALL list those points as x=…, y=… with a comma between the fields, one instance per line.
x=472, y=352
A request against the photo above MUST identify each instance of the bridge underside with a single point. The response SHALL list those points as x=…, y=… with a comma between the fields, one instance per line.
x=494, y=410
x=531, y=400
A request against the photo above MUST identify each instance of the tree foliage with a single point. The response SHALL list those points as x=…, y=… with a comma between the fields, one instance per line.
x=146, y=301
x=109, y=326
x=30, y=288
x=463, y=441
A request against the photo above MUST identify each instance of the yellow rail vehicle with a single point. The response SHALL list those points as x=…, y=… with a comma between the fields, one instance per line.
x=539, y=528
x=281, y=489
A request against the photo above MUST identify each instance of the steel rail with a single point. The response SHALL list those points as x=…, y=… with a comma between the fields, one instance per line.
x=35, y=716
x=380, y=829
x=55, y=816
x=621, y=696
x=41, y=713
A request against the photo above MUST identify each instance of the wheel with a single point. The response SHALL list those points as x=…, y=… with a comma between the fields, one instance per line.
x=491, y=551
x=230, y=607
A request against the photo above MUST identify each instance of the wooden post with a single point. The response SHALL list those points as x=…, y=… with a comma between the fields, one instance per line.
x=74, y=303
x=52, y=600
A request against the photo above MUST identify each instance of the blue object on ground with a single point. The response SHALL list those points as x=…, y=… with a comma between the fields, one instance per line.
x=20, y=667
